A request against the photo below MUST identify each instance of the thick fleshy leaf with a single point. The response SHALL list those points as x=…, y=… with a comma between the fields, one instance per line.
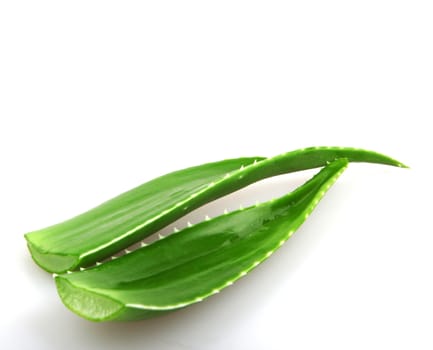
x=136, y=214
x=195, y=263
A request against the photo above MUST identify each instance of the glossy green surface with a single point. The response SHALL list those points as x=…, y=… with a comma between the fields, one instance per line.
x=121, y=221
x=136, y=214
x=195, y=263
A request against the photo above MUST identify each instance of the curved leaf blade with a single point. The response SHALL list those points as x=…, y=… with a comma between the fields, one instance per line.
x=136, y=214
x=195, y=263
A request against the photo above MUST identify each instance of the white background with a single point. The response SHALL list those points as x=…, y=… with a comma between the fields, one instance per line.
x=97, y=97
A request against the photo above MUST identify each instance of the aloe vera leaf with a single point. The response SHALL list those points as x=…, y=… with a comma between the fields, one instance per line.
x=134, y=215
x=195, y=263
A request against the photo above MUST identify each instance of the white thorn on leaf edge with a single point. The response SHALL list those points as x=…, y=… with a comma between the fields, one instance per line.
x=161, y=236
x=127, y=251
x=143, y=244
x=226, y=211
x=189, y=224
x=207, y=218
x=175, y=229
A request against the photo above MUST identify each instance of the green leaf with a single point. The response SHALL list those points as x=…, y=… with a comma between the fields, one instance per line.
x=136, y=214
x=195, y=263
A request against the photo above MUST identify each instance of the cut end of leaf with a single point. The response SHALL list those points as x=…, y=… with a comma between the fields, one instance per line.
x=87, y=304
x=50, y=262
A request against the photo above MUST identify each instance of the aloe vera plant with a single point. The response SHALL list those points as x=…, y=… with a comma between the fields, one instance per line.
x=195, y=263
x=115, y=225
x=191, y=264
